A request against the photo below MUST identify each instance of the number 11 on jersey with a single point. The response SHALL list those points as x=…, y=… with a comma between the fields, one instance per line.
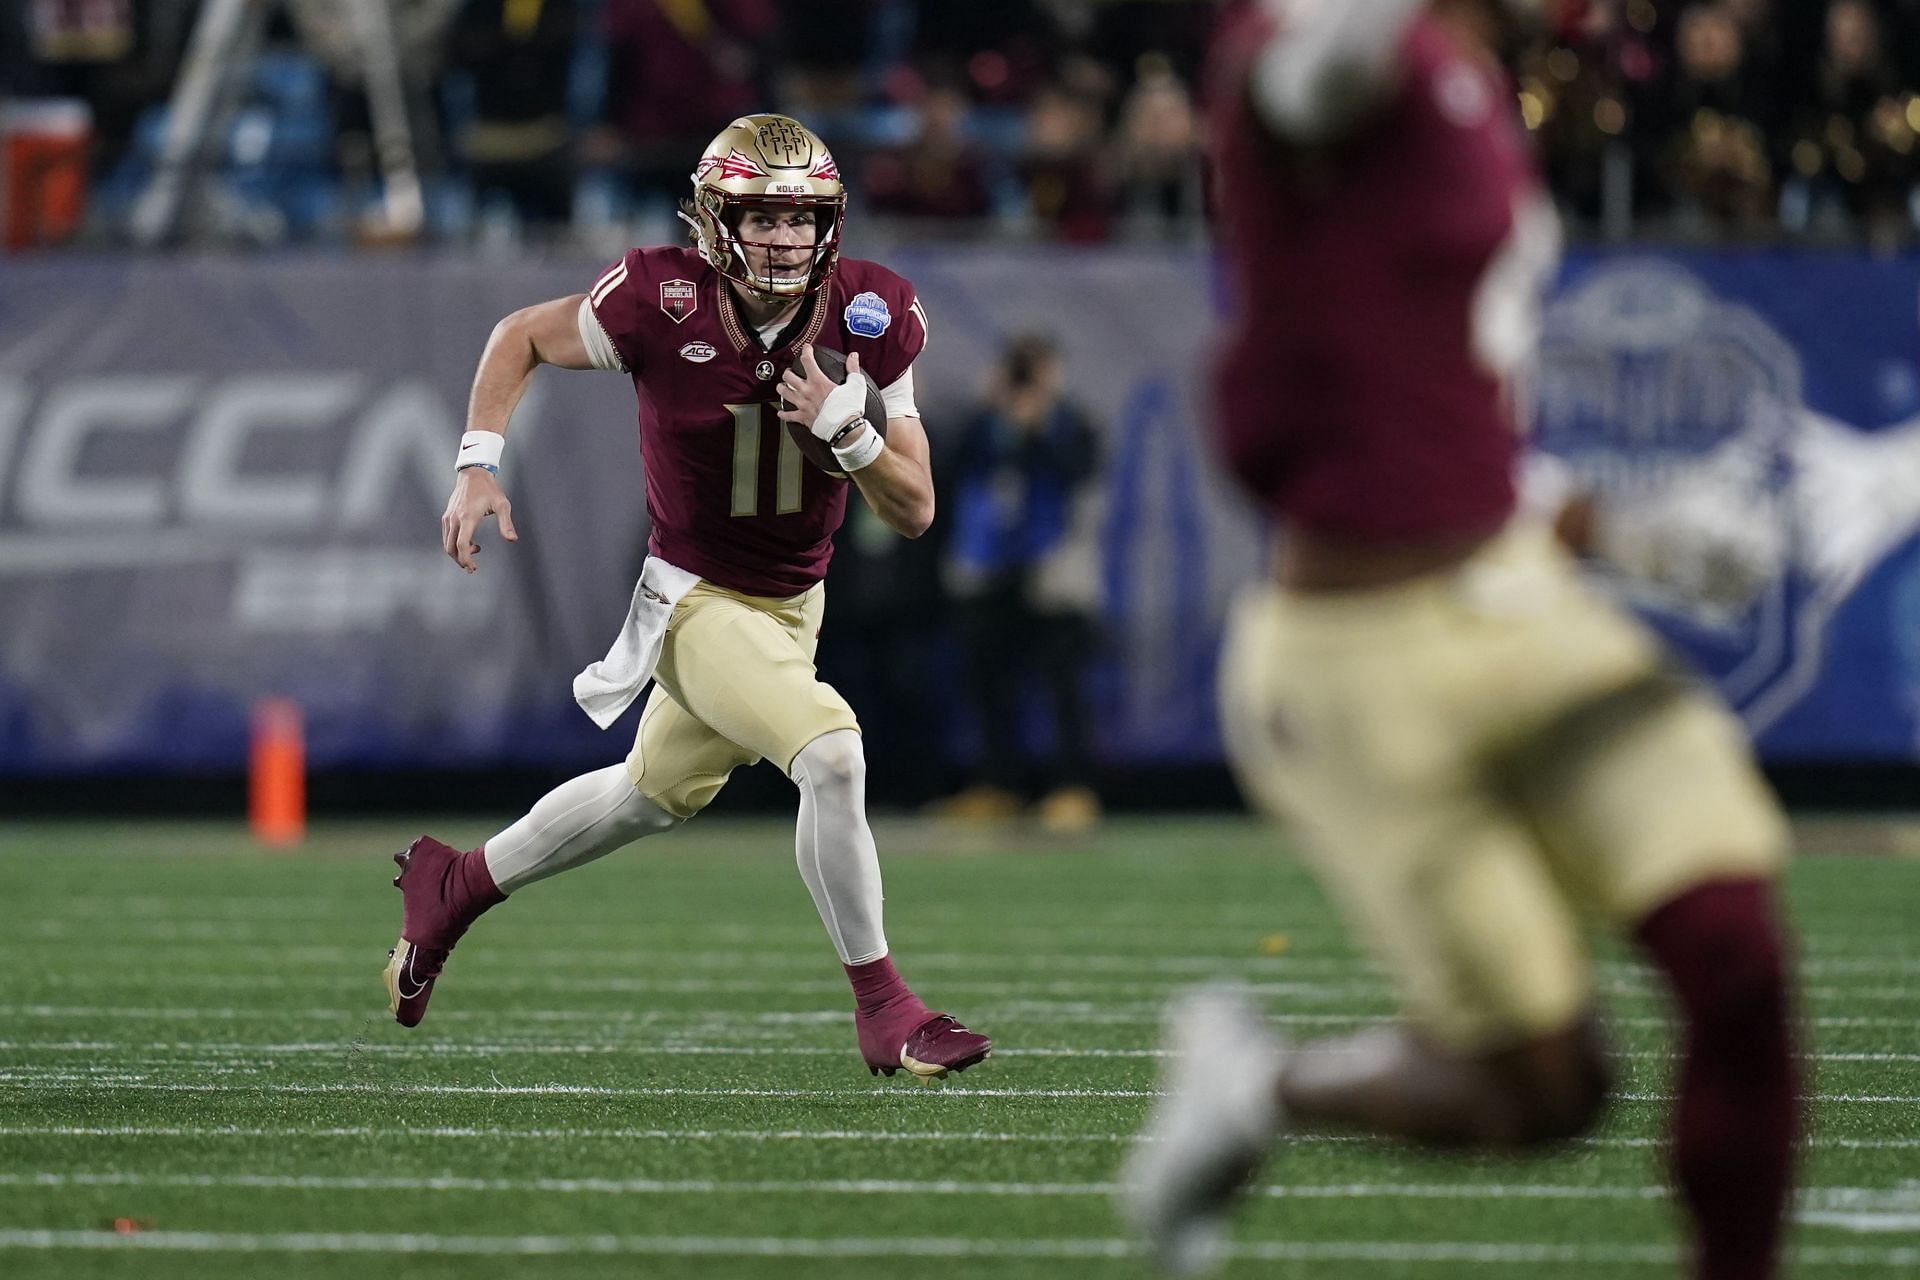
x=748, y=420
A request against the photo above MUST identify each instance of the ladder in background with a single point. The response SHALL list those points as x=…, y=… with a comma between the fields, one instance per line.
x=213, y=76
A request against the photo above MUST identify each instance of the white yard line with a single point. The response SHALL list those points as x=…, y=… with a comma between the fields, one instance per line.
x=1863, y=1223
x=835, y=1186
x=20, y=1081
x=111, y=1079
x=1072, y=1012
x=495, y=1132
x=600, y=960
x=1833, y=1206
x=1413, y=1252
x=542, y=1135
x=1355, y=988
x=239, y=1050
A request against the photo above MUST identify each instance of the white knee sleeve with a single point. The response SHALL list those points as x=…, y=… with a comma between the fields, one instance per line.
x=834, y=845
x=581, y=819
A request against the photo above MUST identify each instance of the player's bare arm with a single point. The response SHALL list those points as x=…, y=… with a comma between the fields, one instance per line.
x=546, y=333
x=898, y=482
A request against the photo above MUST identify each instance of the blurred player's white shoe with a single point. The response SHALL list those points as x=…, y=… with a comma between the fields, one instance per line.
x=1207, y=1135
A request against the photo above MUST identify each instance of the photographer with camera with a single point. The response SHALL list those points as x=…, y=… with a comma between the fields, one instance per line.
x=1024, y=585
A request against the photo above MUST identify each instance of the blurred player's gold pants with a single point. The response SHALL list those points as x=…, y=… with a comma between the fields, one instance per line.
x=735, y=684
x=1471, y=760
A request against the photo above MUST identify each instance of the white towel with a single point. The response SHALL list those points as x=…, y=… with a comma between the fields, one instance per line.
x=609, y=686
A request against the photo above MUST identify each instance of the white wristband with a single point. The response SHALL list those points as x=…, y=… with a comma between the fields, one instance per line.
x=480, y=449
x=862, y=451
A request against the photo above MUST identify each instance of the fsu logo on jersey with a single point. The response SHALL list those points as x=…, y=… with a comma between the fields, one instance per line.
x=764, y=371
x=679, y=299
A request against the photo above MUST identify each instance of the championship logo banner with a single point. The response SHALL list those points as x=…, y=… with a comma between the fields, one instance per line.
x=1685, y=409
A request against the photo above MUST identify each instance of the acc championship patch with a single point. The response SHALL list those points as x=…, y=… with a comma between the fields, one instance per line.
x=867, y=315
x=679, y=299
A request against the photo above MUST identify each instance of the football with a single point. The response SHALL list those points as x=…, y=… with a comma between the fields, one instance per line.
x=834, y=365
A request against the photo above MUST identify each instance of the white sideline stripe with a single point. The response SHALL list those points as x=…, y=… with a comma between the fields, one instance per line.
x=68, y=1079
x=1816, y=1142
x=855, y=1247
x=16, y=1080
x=1071, y=1012
x=238, y=1050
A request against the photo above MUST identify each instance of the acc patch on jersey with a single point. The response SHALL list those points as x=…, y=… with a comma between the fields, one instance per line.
x=679, y=299
x=867, y=315
x=698, y=352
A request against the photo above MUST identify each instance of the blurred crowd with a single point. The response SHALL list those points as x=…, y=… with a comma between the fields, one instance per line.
x=1741, y=118
x=1067, y=119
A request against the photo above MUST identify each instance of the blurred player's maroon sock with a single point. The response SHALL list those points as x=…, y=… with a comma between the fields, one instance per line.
x=1719, y=946
x=876, y=984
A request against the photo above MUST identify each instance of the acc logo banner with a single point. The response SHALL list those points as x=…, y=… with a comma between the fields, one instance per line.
x=679, y=299
x=698, y=352
x=867, y=315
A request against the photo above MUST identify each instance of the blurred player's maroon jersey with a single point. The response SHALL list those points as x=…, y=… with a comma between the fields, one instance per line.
x=1381, y=287
x=729, y=494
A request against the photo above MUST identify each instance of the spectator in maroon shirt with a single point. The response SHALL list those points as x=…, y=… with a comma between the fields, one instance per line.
x=940, y=173
x=1068, y=190
x=676, y=71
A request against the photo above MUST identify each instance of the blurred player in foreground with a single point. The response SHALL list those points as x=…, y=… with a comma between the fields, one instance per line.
x=1471, y=747
x=729, y=606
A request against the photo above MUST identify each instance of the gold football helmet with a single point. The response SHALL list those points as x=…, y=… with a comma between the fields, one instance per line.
x=760, y=162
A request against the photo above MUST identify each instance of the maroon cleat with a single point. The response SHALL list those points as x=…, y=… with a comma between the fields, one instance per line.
x=442, y=891
x=927, y=1045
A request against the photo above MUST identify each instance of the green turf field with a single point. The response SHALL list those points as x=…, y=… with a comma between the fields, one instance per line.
x=646, y=1068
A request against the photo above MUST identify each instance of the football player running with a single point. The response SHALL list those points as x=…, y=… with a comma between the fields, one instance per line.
x=725, y=619
x=1472, y=749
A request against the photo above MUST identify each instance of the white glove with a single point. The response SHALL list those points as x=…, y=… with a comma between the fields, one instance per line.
x=1714, y=536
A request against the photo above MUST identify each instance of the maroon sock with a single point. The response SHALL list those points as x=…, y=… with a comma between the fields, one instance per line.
x=876, y=984
x=1733, y=1128
x=470, y=883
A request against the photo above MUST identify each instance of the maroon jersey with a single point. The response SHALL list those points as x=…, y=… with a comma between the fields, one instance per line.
x=1384, y=285
x=730, y=495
